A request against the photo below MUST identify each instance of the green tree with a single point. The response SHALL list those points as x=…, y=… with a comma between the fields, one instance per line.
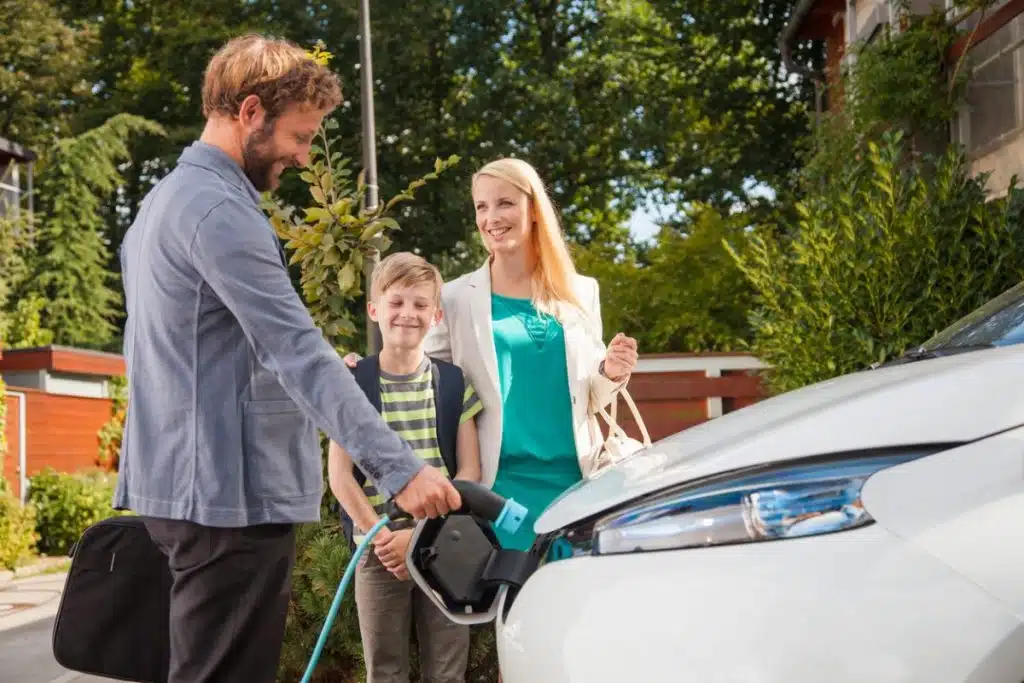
x=729, y=117
x=893, y=240
x=67, y=267
x=12, y=239
x=608, y=98
x=43, y=80
x=685, y=293
x=149, y=60
x=481, y=80
x=614, y=101
x=25, y=326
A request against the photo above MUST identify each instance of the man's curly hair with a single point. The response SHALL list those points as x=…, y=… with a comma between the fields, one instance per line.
x=277, y=71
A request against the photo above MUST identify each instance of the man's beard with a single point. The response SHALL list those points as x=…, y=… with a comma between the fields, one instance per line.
x=258, y=158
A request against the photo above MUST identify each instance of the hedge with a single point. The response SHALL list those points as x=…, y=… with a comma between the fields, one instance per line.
x=67, y=504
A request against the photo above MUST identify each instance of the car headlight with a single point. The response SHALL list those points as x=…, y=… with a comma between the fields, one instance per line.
x=799, y=499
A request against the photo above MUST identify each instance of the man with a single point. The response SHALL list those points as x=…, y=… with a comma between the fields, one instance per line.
x=229, y=377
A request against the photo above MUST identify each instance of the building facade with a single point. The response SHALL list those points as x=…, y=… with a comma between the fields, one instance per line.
x=991, y=121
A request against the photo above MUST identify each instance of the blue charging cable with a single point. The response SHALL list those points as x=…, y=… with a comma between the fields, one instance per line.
x=336, y=605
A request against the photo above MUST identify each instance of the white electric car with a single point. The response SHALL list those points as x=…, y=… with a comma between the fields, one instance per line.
x=867, y=529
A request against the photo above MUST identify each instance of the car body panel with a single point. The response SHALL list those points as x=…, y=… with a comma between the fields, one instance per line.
x=847, y=608
x=958, y=398
x=965, y=507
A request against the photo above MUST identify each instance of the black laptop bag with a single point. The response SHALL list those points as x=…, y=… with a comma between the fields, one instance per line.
x=113, y=615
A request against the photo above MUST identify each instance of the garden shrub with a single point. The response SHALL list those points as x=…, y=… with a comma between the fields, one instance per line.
x=67, y=504
x=320, y=563
x=322, y=556
x=889, y=252
x=334, y=239
x=17, y=531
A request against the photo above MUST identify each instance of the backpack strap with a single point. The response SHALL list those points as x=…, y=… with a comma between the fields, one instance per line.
x=449, y=387
x=367, y=376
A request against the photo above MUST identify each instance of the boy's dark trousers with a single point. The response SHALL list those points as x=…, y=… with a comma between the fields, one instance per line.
x=229, y=599
x=388, y=607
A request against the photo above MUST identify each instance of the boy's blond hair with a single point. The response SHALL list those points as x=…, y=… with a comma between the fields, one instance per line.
x=404, y=268
x=278, y=71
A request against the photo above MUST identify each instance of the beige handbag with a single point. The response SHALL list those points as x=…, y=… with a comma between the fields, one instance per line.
x=618, y=444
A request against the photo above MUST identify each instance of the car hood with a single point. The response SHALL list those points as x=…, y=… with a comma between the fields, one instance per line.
x=951, y=399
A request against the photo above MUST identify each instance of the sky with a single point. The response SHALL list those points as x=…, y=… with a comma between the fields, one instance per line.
x=641, y=226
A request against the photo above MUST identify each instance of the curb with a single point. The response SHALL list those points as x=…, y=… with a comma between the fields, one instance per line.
x=50, y=565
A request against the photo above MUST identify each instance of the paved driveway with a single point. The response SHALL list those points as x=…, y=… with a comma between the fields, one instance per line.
x=26, y=657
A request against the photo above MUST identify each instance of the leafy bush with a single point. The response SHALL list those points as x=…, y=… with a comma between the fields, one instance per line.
x=902, y=78
x=319, y=565
x=333, y=240
x=25, y=325
x=67, y=504
x=335, y=237
x=109, y=453
x=889, y=252
x=321, y=561
x=17, y=531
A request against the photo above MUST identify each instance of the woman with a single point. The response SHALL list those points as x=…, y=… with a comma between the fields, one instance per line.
x=526, y=330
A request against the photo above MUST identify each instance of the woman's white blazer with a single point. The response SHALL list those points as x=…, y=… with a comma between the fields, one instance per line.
x=465, y=337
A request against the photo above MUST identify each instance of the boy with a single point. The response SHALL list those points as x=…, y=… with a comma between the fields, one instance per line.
x=414, y=395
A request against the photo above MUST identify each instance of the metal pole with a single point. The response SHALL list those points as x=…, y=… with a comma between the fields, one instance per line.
x=373, y=341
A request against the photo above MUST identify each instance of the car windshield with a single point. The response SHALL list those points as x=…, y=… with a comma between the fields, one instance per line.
x=1000, y=322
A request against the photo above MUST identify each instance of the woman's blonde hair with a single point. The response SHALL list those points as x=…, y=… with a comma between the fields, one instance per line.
x=554, y=270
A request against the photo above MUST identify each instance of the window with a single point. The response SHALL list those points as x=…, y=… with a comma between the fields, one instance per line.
x=9, y=190
x=954, y=9
x=992, y=112
x=9, y=202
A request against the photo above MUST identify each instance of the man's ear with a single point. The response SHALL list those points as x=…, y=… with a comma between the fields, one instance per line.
x=251, y=113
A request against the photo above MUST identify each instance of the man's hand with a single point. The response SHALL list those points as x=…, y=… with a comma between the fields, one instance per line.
x=392, y=554
x=429, y=494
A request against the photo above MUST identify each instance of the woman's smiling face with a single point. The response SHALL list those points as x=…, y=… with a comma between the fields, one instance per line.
x=503, y=214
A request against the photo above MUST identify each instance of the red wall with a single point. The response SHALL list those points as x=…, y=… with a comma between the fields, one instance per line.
x=63, y=432
x=10, y=468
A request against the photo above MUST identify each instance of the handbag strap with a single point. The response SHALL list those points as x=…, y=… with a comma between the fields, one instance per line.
x=613, y=422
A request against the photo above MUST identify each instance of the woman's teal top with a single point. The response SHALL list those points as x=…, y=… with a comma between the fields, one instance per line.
x=538, y=448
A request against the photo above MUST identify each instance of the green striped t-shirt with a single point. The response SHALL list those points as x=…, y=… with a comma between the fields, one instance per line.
x=407, y=406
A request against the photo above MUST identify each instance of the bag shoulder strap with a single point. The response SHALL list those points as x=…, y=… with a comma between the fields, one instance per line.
x=449, y=387
x=367, y=376
x=614, y=429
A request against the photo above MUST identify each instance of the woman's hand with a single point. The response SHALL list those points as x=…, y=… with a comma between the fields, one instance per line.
x=620, y=358
x=352, y=358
